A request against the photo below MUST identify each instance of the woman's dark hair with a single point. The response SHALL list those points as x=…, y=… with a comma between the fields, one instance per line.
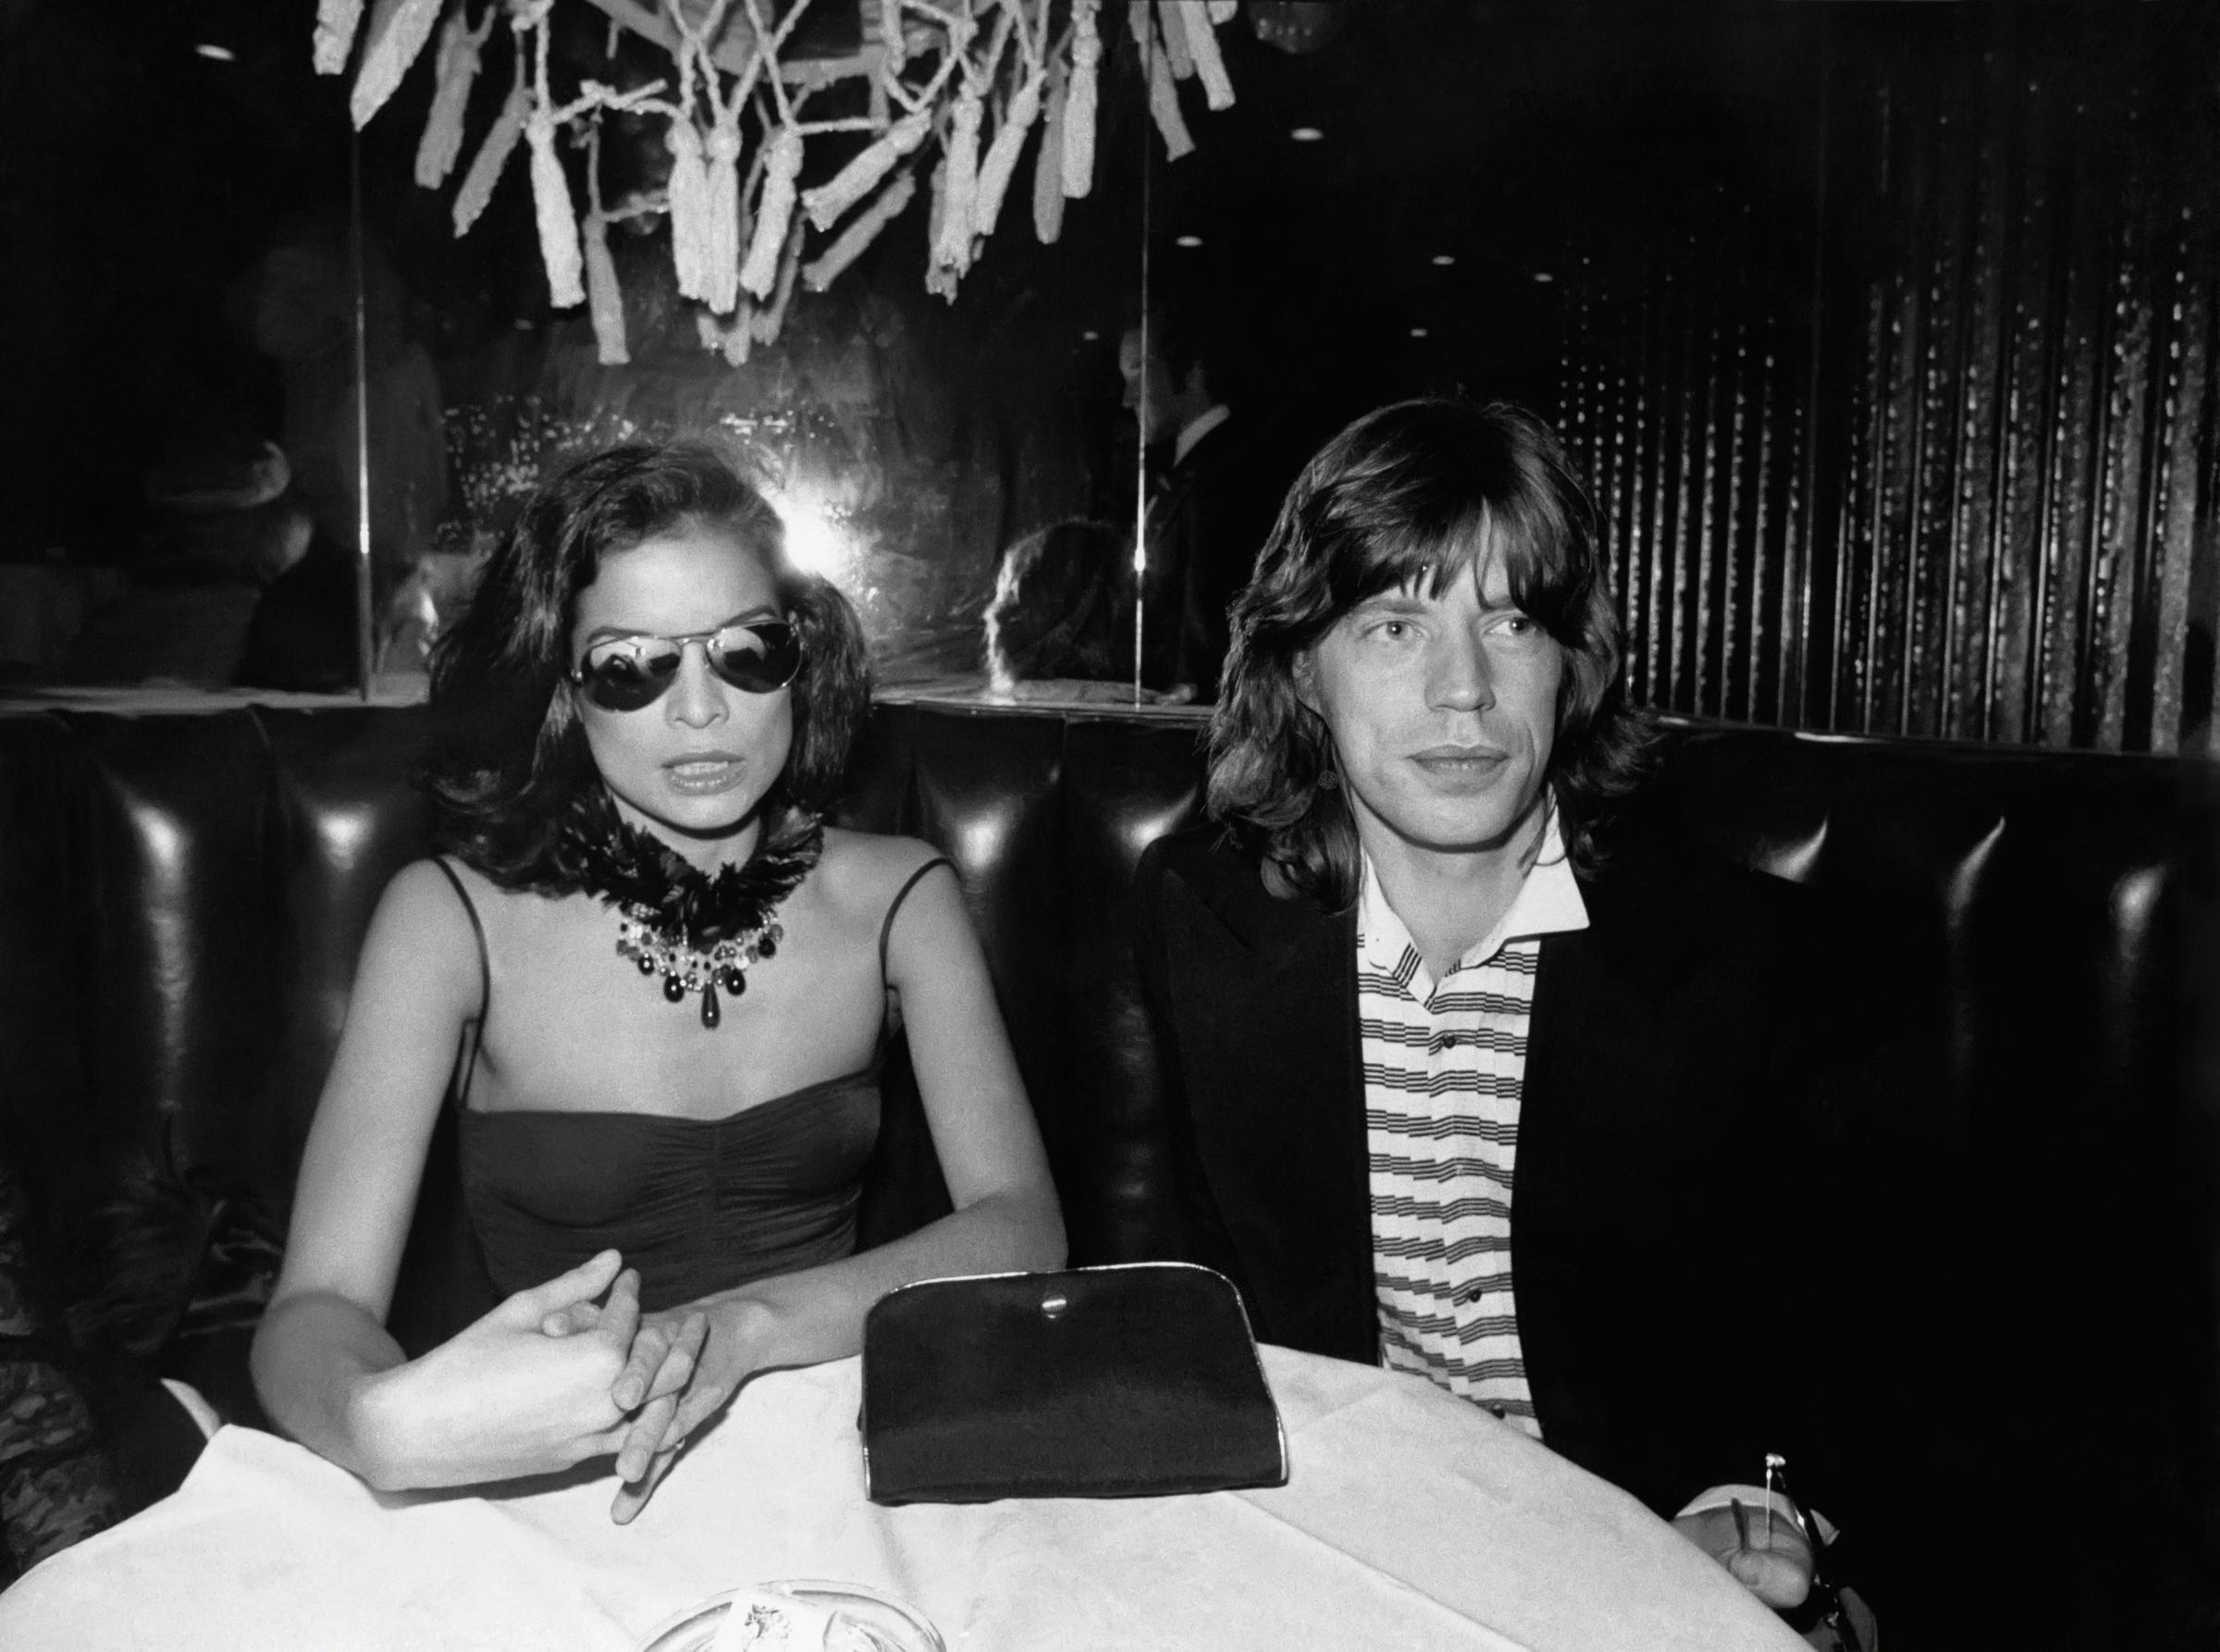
x=1063, y=605
x=1408, y=495
x=511, y=755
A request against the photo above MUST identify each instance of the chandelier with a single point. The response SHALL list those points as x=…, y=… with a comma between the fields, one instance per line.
x=955, y=89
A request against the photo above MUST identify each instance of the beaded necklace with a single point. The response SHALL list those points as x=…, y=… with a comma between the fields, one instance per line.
x=697, y=931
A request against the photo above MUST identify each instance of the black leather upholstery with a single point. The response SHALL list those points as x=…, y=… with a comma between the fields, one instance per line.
x=181, y=897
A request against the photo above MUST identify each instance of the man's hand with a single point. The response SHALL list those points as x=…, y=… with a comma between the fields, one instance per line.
x=1778, y=1571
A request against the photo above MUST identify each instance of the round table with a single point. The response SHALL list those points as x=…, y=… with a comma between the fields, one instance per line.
x=1410, y=1519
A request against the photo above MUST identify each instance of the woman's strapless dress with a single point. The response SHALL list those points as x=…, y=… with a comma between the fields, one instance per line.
x=697, y=1205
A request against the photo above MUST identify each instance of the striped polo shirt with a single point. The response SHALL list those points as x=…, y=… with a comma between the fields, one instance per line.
x=1444, y=1063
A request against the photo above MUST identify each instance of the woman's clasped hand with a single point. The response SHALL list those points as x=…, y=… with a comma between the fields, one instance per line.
x=557, y=1374
x=653, y=987
x=501, y=1399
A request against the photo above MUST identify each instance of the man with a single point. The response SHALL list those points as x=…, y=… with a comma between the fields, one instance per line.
x=1213, y=485
x=1570, y=1121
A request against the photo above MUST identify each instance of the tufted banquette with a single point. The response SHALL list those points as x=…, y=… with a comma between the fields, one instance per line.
x=182, y=893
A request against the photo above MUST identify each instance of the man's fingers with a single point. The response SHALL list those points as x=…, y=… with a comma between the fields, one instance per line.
x=581, y=1284
x=1781, y=1578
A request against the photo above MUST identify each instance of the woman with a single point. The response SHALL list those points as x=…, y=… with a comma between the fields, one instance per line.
x=651, y=707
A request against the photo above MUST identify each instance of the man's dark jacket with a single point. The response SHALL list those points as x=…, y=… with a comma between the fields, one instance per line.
x=1703, y=1197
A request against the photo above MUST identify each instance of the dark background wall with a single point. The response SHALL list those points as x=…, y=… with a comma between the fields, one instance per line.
x=1899, y=397
x=1882, y=329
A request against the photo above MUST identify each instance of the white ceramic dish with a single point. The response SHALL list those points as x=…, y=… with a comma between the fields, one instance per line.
x=891, y=1625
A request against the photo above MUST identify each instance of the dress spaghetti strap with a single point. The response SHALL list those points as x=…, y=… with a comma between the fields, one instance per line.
x=887, y=927
x=477, y=928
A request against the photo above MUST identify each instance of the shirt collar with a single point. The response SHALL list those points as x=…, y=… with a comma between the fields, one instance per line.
x=1196, y=428
x=1547, y=902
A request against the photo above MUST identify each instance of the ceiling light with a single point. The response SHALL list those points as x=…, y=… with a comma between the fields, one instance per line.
x=216, y=54
x=1189, y=241
x=1418, y=332
x=1544, y=276
x=1091, y=335
x=1443, y=260
x=1306, y=134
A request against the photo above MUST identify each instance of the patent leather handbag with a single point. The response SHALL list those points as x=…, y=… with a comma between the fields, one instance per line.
x=1137, y=1380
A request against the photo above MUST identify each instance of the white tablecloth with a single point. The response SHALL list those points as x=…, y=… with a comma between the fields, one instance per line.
x=1410, y=1519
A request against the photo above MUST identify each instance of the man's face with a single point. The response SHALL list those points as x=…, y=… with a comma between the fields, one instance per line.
x=1443, y=712
x=1140, y=368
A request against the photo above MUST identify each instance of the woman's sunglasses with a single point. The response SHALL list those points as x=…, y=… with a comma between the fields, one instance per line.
x=622, y=673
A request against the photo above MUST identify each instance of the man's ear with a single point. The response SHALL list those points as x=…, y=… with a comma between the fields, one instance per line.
x=1303, y=673
x=1195, y=385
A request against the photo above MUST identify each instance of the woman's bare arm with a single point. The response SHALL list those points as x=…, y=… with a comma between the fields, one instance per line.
x=325, y=1333
x=501, y=1398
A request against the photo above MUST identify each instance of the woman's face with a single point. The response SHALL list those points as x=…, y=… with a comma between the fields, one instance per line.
x=691, y=765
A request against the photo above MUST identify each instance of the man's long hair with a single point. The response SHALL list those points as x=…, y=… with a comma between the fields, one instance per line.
x=1410, y=497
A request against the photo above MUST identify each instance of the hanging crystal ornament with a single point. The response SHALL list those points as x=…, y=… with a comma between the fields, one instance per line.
x=685, y=970
x=1048, y=161
x=397, y=32
x=500, y=141
x=462, y=47
x=336, y=23
x=1078, y=137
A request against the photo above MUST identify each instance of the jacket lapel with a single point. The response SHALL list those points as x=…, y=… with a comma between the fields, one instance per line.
x=1607, y=1058
x=1266, y=996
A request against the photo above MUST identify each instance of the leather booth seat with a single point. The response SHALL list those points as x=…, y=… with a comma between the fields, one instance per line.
x=183, y=895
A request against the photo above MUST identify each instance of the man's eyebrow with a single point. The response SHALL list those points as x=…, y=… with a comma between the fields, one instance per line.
x=1394, y=602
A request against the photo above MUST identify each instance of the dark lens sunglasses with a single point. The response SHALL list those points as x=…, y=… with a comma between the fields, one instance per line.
x=622, y=673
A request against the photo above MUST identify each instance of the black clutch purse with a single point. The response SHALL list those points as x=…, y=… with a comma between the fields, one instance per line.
x=1108, y=1382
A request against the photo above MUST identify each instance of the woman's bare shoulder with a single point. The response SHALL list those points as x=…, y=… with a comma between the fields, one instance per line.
x=453, y=896
x=433, y=895
x=875, y=860
x=865, y=870
x=427, y=929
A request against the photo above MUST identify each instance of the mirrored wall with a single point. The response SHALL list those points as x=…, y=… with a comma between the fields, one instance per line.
x=1881, y=332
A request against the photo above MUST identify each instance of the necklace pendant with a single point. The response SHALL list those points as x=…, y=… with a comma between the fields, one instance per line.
x=663, y=905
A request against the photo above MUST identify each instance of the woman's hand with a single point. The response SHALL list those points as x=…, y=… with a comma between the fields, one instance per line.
x=501, y=1398
x=684, y=1368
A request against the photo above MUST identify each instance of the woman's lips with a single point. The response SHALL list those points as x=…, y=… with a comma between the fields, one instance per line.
x=705, y=773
